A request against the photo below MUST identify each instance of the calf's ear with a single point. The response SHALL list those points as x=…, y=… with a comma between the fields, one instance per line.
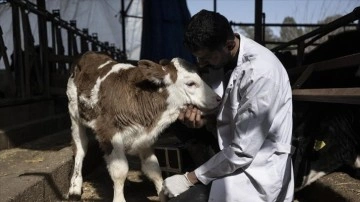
x=147, y=64
x=164, y=62
x=154, y=72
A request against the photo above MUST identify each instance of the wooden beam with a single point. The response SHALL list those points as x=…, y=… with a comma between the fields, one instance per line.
x=336, y=63
x=331, y=95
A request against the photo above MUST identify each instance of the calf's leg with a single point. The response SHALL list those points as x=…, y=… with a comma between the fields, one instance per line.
x=81, y=143
x=118, y=168
x=150, y=167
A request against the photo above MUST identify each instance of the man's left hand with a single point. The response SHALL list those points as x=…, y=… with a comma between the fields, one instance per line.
x=192, y=117
x=175, y=185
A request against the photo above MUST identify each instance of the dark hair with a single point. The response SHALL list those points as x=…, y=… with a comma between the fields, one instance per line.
x=207, y=29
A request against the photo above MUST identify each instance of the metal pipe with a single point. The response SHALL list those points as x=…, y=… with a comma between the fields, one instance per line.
x=123, y=15
x=214, y=5
x=258, y=21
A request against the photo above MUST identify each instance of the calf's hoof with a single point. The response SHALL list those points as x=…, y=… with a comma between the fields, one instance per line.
x=74, y=197
x=162, y=196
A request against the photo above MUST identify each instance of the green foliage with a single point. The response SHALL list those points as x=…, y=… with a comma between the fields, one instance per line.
x=290, y=33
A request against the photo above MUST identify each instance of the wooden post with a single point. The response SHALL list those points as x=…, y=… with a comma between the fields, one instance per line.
x=93, y=44
x=29, y=56
x=11, y=91
x=17, y=60
x=72, y=39
x=3, y=52
x=44, y=47
x=84, y=42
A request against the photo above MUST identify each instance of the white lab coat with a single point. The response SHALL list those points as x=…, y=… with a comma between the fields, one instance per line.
x=254, y=129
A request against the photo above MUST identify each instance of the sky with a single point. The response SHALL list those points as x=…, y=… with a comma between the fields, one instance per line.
x=303, y=11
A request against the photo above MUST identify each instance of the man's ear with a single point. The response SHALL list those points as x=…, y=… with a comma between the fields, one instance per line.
x=230, y=44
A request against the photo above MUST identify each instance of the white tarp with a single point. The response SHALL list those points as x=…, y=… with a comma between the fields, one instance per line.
x=101, y=17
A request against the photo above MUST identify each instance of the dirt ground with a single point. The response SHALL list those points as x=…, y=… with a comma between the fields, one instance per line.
x=98, y=187
x=335, y=187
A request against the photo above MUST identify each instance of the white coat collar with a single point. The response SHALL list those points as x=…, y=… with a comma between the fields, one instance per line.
x=235, y=73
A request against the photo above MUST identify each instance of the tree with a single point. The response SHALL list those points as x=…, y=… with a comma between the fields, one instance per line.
x=249, y=32
x=290, y=33
x=327, y=20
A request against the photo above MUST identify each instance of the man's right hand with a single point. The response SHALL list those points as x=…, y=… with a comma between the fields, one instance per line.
x=192, y=117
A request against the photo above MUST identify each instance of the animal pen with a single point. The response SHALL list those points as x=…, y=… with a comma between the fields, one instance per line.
x=33, y=108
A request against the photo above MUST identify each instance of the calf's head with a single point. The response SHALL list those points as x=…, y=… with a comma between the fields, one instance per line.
x=182, y=82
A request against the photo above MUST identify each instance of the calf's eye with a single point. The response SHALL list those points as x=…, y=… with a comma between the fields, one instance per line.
x=191, y=84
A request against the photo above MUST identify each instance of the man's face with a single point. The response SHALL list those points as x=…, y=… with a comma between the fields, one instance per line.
x=211, y=59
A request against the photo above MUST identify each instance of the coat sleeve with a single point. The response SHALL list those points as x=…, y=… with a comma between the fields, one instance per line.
x=251, y=125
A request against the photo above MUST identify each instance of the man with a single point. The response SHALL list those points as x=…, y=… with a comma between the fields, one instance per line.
x=253, y=124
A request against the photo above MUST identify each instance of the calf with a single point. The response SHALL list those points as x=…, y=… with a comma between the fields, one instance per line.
x=128, y=107
x=327, y=140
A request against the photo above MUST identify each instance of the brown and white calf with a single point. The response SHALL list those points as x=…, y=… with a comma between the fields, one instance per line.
x=128, y=107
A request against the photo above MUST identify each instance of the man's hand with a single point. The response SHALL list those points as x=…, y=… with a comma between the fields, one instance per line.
x=176, y=184
x=192, y=117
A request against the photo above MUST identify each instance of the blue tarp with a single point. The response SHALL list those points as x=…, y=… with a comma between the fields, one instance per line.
x=163, y=27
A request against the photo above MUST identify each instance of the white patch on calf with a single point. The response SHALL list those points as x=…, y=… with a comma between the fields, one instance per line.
x=136, y=141
x=136, y=138
x=150, y=167
x=71, y=93
x=310, y=178
x=167, y=79
x=123, y=66
x=81, y=142
x=189, y=88
x=357, y=162
x=79, y=137
x=90, y=124
x=106, y=63
x=357, y=74
x=117, y=166
x=94, y=96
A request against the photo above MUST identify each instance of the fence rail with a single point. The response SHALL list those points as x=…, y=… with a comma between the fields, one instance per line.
x=34, y=66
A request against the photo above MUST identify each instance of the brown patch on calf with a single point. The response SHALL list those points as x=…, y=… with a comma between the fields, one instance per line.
x=127, y=98
x=87, y=113
x=171, y=69
x=130, y=99
x=86, y=72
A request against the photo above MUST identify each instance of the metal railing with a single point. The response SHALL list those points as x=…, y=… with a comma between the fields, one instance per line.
x=301, y=42
x=37, y=69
